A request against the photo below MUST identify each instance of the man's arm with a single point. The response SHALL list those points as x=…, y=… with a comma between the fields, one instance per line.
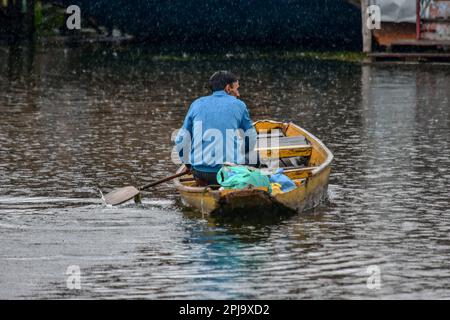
x=249, y=130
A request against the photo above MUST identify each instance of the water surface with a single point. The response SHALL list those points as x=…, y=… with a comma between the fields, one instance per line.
x=74, y=120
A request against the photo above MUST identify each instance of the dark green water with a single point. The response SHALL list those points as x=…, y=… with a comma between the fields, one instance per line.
x=72, y=120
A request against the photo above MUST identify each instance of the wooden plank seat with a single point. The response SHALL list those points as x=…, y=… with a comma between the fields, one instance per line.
x=298, y=173
x=275, y=133
x=290, y=162
x=282, y=141
x=287, y=147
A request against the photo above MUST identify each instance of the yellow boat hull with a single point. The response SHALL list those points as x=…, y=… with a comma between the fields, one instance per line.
x=312, y=184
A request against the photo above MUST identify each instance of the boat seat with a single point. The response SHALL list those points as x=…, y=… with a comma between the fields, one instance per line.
x=290, y=162
x=288, y=147
x=272, y=133
x=298, y=173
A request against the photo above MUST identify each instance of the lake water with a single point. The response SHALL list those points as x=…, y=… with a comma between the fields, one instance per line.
x=74, y=120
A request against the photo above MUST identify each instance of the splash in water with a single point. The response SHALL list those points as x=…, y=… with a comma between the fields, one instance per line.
x=102, y=196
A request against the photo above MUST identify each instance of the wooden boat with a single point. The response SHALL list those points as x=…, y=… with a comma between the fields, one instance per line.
x=304, y=158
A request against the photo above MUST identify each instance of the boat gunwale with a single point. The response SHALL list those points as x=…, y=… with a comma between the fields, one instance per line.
x=329, y=157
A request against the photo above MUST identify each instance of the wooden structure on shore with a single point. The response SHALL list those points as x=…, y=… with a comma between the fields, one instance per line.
x=426, y=38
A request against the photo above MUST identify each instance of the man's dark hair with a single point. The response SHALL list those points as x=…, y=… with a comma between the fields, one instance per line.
x=220, y=79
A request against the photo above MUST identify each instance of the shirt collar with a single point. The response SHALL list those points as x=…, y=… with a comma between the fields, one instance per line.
x=219, y=93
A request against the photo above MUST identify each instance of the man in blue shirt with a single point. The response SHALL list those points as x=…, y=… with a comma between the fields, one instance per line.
x=217, y=129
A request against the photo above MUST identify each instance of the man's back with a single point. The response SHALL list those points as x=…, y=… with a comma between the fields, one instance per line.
x=219, y=111
x=213, y=123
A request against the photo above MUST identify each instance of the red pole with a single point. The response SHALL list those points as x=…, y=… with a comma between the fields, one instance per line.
x=418, y=19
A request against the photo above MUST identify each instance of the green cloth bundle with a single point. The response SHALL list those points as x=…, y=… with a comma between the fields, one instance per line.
x=240, y=177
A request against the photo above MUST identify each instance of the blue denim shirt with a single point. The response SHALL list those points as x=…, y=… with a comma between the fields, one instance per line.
x=209, y=135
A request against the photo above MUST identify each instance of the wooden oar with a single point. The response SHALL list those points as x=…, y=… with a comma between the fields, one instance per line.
x=124, y=194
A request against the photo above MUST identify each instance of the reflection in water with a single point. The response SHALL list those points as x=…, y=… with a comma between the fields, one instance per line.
x=73, y=120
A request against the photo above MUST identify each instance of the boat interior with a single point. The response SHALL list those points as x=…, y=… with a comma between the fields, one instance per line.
x=282, y=145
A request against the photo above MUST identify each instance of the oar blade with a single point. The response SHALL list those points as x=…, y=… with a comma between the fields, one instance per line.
x=121, y=195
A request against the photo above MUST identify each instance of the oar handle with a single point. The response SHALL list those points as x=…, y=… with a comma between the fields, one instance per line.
x=152, y=184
